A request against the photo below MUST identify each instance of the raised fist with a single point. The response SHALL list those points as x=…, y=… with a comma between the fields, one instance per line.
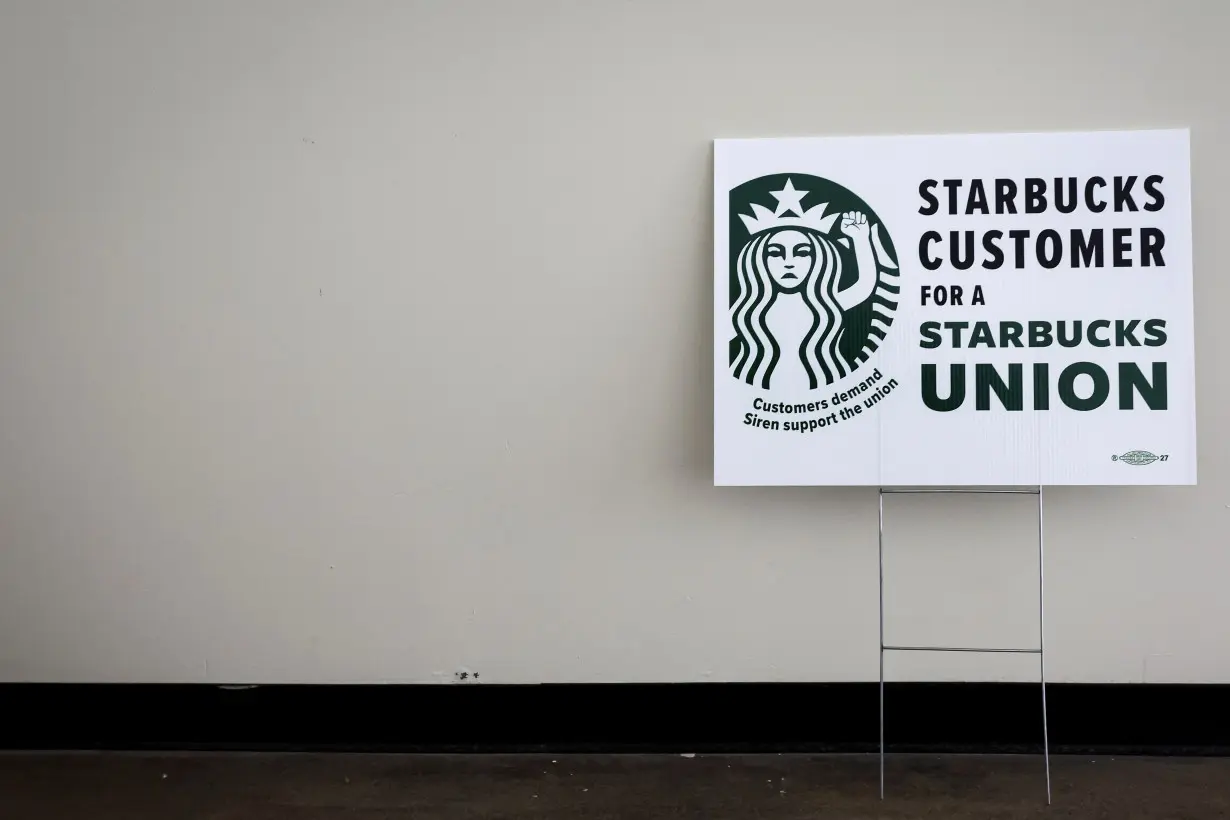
x=854, y=225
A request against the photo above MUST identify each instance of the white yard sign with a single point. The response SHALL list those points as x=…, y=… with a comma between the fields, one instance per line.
x=981, y=310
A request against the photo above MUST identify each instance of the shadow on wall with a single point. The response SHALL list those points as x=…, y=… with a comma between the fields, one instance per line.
x=694, y=413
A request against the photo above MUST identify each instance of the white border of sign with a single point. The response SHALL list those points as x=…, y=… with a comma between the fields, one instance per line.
x=1032, y=414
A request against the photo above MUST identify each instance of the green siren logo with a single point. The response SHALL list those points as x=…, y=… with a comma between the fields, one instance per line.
x=813, y=282
x=1138, y=458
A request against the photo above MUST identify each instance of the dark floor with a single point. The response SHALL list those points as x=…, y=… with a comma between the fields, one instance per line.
x=313, y=787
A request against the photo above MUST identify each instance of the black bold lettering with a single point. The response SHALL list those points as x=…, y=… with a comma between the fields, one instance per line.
x=925, y=189
x=952, y=185
x=1122, y=247
x=1005, y=196
x=1066, y=204
x=1035, y=195
x=1092, y=203
x=977, y=201
x=1157, y=200
x=954, y=249
x=931, y=335
x=990, y=243
x=924, y=256
x=1019, y=237
x=1052, y=258
x=1087, y=251
x=1152, y=240
x=1123, y=194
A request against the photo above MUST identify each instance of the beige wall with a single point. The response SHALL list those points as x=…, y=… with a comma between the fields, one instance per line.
x=369, y=341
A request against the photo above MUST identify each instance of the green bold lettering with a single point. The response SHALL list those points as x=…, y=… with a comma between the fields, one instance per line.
x=1042, y=386
x=1011, y=393
x=1067, y=386
x=956, y=388
x=1132, y=381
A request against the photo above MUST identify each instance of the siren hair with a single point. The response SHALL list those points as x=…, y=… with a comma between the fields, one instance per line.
x=758, y=352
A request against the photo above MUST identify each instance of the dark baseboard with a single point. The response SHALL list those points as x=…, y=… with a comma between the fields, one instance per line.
x=1192, y=719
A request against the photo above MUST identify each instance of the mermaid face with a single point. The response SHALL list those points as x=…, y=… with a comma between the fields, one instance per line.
x=789, y=258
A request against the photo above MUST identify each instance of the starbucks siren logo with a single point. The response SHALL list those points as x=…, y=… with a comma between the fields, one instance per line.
x=813, y=282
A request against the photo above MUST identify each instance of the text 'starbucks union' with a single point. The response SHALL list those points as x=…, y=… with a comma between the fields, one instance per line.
x=1041, y=385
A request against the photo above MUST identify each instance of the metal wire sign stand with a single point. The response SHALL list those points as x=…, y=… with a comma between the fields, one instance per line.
x=1039, y=650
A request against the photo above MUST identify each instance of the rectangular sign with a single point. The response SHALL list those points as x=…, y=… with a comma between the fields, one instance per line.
x=972, y=310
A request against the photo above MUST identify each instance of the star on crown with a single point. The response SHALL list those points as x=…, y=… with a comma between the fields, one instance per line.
x=789, y=200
